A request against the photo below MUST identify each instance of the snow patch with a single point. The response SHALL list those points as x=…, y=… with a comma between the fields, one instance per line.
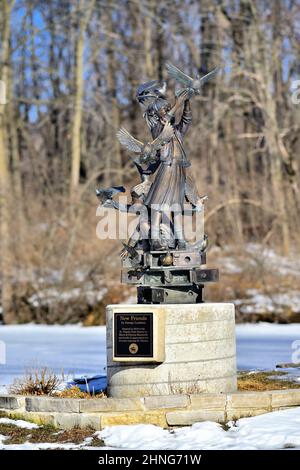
x=273, y=303
x=276, y=430
x=19, y=423
x=53, y=295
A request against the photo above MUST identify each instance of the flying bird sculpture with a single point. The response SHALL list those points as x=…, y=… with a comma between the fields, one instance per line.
x=149, y=150
x=192, y=84
x=107, y=194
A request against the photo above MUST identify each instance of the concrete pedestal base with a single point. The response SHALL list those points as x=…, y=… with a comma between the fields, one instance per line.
x=200, y=353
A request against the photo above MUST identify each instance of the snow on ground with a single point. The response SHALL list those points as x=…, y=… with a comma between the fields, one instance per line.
x=255, y=254
x=280, y=298
x=275, y=303
x=19, y=423
x=80, y=350
x=231, y=260
x=50, y=296
x=277, y=430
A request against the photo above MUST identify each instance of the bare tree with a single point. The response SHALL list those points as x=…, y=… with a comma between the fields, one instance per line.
x=71, y=69
x=5, y=186
x=82, y=13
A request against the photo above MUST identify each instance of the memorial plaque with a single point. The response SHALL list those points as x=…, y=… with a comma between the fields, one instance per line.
x=137, y=334
x=133, y=335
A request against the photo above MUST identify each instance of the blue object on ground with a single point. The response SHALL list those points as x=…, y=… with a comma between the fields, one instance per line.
x=93, y=385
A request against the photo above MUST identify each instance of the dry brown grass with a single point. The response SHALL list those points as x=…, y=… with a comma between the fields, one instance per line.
x=46, y=382
x=63, y=255
x=254, y=273
x=263, y=381
x=48, y=434
x=115, y=295
x=36, y=382
x=75, y=392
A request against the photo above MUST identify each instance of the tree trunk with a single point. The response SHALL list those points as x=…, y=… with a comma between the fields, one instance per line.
x=84, y=14
x=6, y=255
x=147, y=11
x=113, y=155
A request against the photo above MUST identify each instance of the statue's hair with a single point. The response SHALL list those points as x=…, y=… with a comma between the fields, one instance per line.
x=158, y=104
x=152, y=112
x=150, y=90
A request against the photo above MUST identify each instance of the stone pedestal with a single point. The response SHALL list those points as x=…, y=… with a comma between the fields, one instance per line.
x=199, y=352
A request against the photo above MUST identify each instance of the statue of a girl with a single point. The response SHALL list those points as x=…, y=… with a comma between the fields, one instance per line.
x=172, y=183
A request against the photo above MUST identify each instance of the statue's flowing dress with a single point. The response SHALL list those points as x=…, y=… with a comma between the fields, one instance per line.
x=171, y=183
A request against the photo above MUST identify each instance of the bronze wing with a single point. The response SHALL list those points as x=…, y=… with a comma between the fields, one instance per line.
x=191, y=191
x=209, y=76
x=128, y=141
x=179, y=76
x=164, y=137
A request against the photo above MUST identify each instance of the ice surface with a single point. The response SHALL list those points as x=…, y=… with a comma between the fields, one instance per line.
x=264, y=345
x=81, y=350
x=73, y=349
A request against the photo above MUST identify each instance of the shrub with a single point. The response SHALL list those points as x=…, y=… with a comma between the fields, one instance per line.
x=36, y=382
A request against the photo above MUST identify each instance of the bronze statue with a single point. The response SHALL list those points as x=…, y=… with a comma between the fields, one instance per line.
x=157, y=257
x=169, y=189
x=148, y=151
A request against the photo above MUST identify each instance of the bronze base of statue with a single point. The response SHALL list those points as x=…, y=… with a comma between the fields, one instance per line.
x=170, y=276
x=172, y=295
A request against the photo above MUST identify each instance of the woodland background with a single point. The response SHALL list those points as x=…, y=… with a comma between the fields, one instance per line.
x=71, y=69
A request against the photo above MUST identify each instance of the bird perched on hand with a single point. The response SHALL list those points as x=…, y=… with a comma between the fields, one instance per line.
x=106, y=194
x=147, y=151
x=192, y=84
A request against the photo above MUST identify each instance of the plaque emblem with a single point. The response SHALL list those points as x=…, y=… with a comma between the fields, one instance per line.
x=133, y=348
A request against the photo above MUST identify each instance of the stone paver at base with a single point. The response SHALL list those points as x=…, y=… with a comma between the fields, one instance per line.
x=160, y=410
